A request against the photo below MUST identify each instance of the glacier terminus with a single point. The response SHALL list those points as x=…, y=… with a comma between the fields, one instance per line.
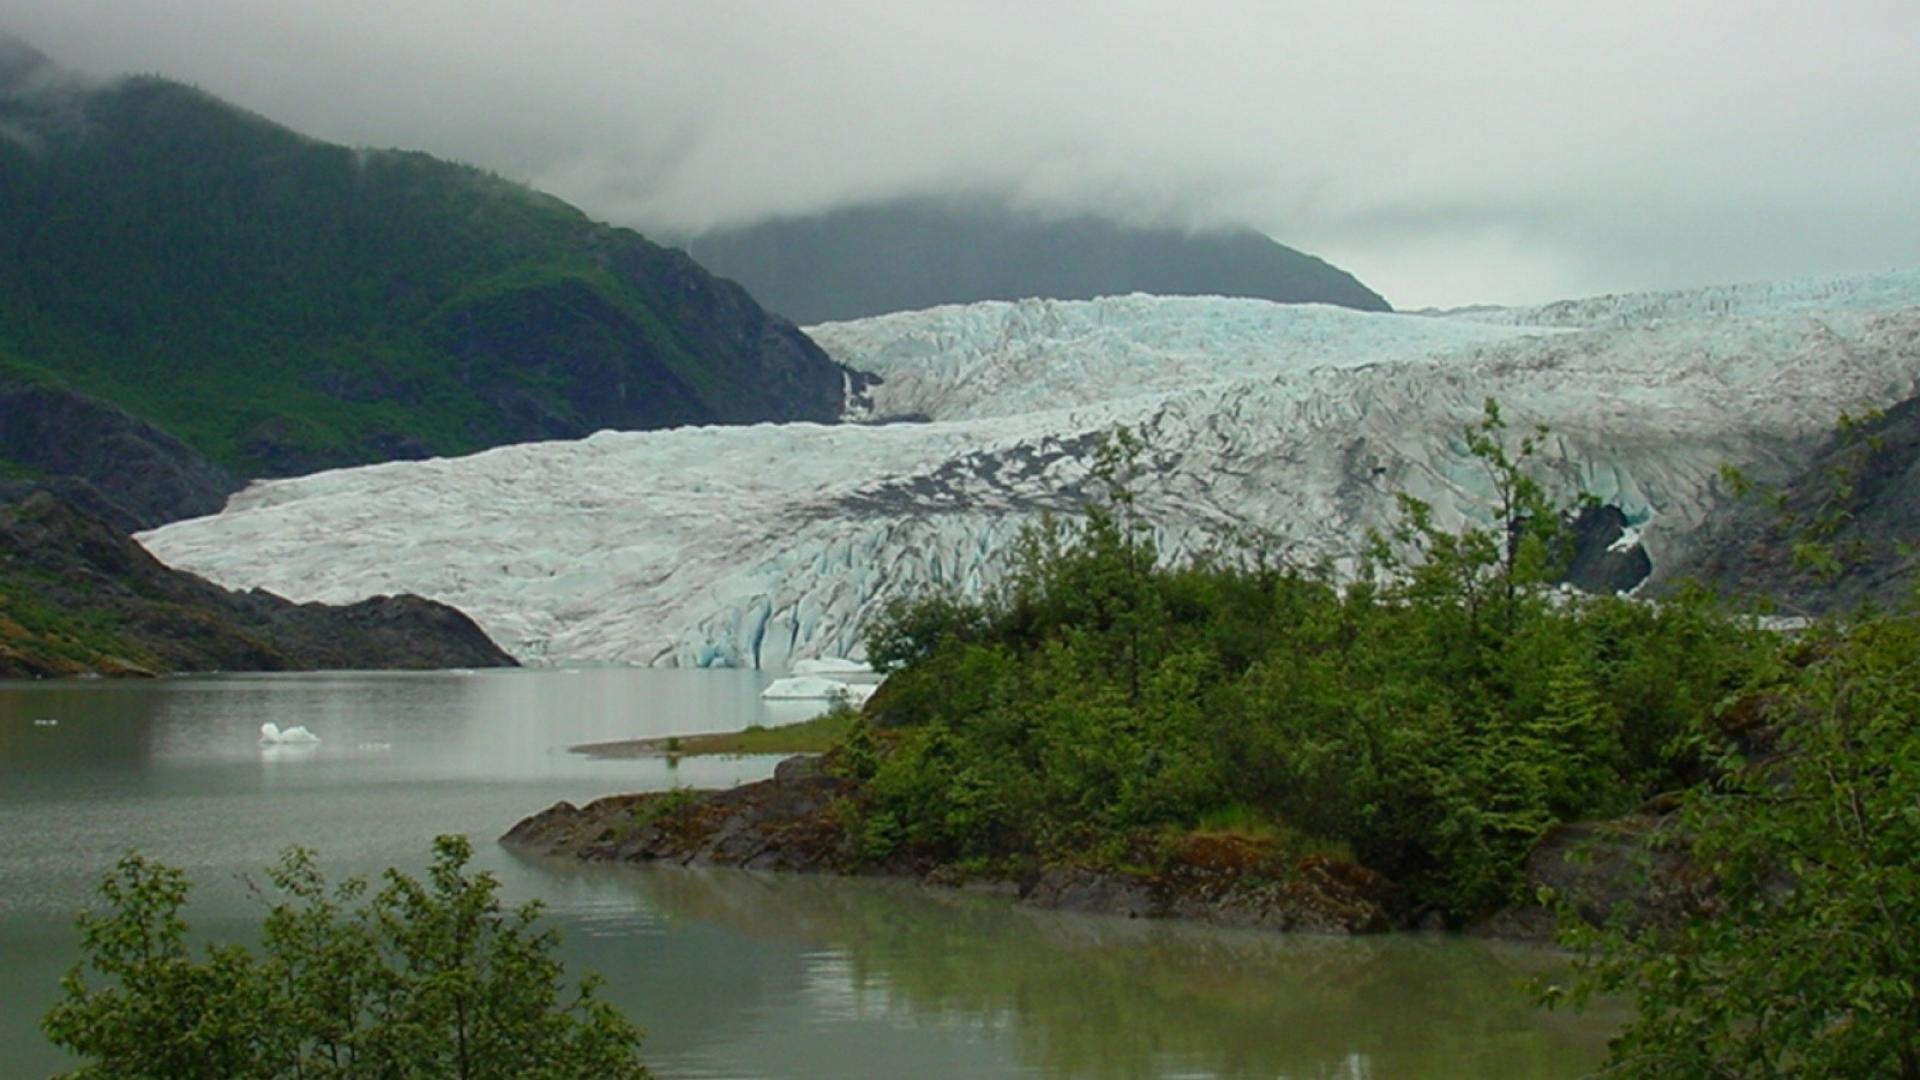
x=768, y=544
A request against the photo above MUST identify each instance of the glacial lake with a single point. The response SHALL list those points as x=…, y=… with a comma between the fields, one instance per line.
x=733, y=974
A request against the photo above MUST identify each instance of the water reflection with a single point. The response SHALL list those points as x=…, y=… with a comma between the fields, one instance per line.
x=508, y=725
x=734, y=974
x=95, y=724
x=1104, y=997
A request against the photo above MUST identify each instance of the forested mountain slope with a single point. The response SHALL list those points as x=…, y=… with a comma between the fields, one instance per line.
x=282, y=305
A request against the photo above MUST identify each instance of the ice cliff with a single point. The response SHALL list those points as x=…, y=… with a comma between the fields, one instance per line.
x=763, y=544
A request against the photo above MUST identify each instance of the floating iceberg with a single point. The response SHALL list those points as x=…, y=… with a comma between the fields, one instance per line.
x=297, y=735
x=816, y=688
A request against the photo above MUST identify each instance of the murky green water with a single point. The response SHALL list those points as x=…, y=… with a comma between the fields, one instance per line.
x=733, y=974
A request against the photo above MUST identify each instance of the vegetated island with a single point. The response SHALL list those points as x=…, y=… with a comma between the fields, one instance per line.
x=1241, y=743
x=1448, y=740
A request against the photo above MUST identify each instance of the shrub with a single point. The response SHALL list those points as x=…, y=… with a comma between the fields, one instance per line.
x=1435, y=717
x=430, y=978
x=1807, y=963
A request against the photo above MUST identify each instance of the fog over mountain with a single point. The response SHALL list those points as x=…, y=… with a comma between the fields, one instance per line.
x=906, y=254
x=1446, y=154
x=191, y=294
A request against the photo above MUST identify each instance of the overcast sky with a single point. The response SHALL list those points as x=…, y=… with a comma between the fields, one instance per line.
x=1445, y=152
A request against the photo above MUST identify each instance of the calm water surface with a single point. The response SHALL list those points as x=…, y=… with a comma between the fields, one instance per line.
x=732, y=973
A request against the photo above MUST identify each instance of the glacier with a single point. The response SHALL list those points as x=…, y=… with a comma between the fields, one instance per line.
x=769, y=544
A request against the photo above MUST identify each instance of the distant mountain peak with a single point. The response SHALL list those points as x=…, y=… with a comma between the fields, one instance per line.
x=915, y=252
x=22, y=67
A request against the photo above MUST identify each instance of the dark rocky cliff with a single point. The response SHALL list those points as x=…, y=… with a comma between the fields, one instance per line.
x=78, y=596
x=1859, y=498
x=97, y=456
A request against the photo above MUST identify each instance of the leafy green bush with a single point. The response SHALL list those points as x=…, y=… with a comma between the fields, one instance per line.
x=428, y=978
x=1435, y=717
x=913, y=630
x=1807, y=963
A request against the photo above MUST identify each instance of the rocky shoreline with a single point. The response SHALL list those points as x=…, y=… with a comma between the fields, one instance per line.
x=79, y=597
x=791, y=822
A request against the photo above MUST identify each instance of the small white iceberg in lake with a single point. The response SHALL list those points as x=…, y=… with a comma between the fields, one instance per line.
x=297, y=735
x=816, y=688
x=832, y=665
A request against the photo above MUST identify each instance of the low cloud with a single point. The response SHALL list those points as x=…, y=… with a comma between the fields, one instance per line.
x=1445, y=153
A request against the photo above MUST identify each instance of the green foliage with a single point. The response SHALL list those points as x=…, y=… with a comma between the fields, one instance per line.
x=58, y=638
x=1820, y=519
x=856, y=756
x=1808, y=962
x=1434, y=717
x=813, y=736
x=13, y=470
x=279, y=302
x=422, y=978
x=664, y=805
x=914, y=630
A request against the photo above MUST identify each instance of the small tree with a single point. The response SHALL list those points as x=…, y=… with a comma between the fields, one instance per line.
x=1807, y=963
x=430, y=978
x=1528, y=521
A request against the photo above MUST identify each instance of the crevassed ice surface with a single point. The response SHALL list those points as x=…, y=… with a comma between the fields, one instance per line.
x=1894, y=288
x=759, y=545
x=999, y=358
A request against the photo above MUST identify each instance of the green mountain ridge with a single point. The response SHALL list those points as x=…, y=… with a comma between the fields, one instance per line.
x=912, y=253
x=282, y=304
